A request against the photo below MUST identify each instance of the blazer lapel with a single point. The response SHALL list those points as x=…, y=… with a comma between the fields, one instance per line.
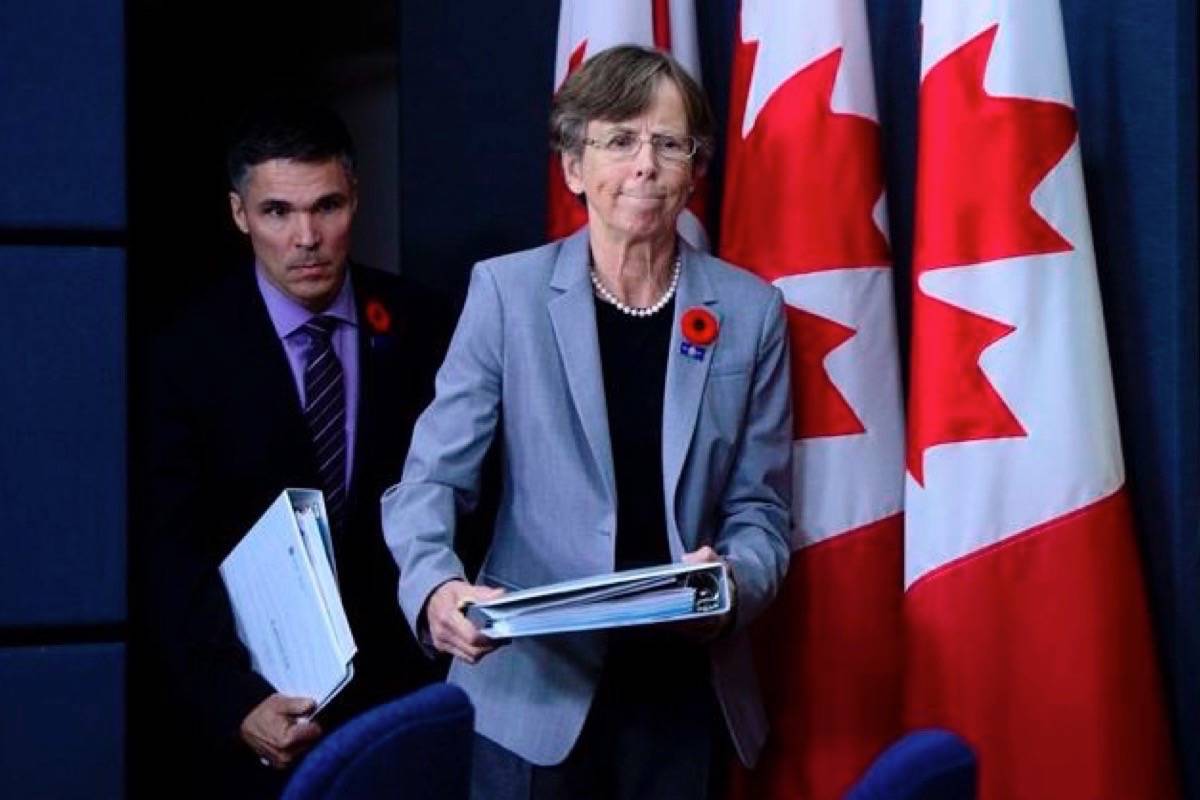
x=377, y=355
x=266, y=383
x=573, y=316
x=686, y=377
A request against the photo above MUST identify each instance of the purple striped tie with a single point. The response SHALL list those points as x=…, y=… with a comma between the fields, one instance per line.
x=325, y=412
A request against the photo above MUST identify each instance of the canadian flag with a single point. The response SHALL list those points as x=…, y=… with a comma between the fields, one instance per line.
x=1028, y=630
x=804, y=208
x=585, y=27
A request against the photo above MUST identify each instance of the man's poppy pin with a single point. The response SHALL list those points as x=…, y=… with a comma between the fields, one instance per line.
x=378, y=318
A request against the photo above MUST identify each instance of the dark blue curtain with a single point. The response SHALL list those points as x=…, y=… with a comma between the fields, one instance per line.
x=1133, y=69
x=63, y=644
x=475, y=86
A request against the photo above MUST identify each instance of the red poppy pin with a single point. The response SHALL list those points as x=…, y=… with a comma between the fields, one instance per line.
x=378, y=318
x=700, y=329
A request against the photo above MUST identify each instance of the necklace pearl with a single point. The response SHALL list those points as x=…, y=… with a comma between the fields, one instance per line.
x=604, y=294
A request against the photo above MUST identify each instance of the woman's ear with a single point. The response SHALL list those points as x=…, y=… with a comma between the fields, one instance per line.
x=572, y=167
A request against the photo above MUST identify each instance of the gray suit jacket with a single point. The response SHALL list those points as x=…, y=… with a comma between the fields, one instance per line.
x=525, y=364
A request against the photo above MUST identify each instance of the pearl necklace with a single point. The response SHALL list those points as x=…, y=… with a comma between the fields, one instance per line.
x=604, y=294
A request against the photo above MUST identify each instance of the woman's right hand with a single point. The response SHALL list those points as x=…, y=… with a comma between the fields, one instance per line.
x=449, y=629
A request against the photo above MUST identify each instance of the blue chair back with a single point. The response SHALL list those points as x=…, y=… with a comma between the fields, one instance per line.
x=418, y=746
x=929, y=764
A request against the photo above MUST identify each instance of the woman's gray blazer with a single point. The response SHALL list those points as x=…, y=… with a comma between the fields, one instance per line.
x=524, y=364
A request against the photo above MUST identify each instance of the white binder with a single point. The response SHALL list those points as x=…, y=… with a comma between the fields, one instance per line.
x=653, y=595
x=282, y=584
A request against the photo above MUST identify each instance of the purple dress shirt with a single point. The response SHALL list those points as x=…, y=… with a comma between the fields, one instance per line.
x=289, y=317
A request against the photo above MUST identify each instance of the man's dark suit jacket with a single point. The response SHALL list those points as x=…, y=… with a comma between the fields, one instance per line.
x=225, y=435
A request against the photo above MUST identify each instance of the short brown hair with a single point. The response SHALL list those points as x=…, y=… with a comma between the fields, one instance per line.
x=617, y=84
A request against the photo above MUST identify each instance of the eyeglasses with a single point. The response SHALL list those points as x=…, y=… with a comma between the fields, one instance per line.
x=622, y=145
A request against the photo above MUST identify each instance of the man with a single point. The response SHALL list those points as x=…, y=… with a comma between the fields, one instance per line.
x=302, y=371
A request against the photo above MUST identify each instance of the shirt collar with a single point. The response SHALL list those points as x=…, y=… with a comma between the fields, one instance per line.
x=288, y=316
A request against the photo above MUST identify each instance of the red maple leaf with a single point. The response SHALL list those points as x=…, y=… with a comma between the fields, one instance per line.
x=980, y=158
x=819, y=409
x=564, y=213
x=801, y=186
x=799, y=193
x=965, y=406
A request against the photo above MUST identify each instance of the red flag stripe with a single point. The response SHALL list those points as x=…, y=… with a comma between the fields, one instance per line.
x=662, y=24
x=1036, y=651
x=829, y=647
x=802, y=185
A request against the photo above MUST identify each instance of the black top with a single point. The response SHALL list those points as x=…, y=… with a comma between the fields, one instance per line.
x=633, y=357
x=645, y=665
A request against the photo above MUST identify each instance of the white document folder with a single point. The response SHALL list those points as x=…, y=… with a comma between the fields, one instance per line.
x=669, y=593
x=281, y=580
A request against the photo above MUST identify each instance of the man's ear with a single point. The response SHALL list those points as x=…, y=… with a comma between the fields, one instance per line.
x=237, y=209
x=572, y=167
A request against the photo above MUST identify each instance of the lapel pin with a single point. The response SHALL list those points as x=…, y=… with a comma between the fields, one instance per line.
x=379, y=322
x=700, y=328
x=378, y=317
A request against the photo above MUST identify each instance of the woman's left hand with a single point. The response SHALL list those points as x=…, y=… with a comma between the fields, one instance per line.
x=709, y=628
x=703, y=555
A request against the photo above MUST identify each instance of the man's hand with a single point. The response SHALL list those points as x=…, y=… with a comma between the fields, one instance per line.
x=709, y=628
x=279, y=731
x=450, y=631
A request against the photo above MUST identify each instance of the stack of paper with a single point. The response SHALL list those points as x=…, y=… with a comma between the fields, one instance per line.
x=670, y=593
x=283, y=588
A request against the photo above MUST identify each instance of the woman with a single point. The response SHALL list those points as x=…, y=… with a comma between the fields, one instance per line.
x=640, y=390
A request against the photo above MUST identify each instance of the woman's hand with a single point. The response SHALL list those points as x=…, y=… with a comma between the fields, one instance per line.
x=709, y=628
x=704, y=555
x=449, y=630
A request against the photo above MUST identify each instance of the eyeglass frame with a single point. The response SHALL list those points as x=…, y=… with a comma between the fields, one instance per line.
x=651, y=139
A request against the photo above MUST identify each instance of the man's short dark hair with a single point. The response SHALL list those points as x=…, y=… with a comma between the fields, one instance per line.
x=303, y=133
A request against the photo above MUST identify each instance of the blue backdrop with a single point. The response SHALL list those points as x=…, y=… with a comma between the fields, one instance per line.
x=475, y=85
x=62, y=399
